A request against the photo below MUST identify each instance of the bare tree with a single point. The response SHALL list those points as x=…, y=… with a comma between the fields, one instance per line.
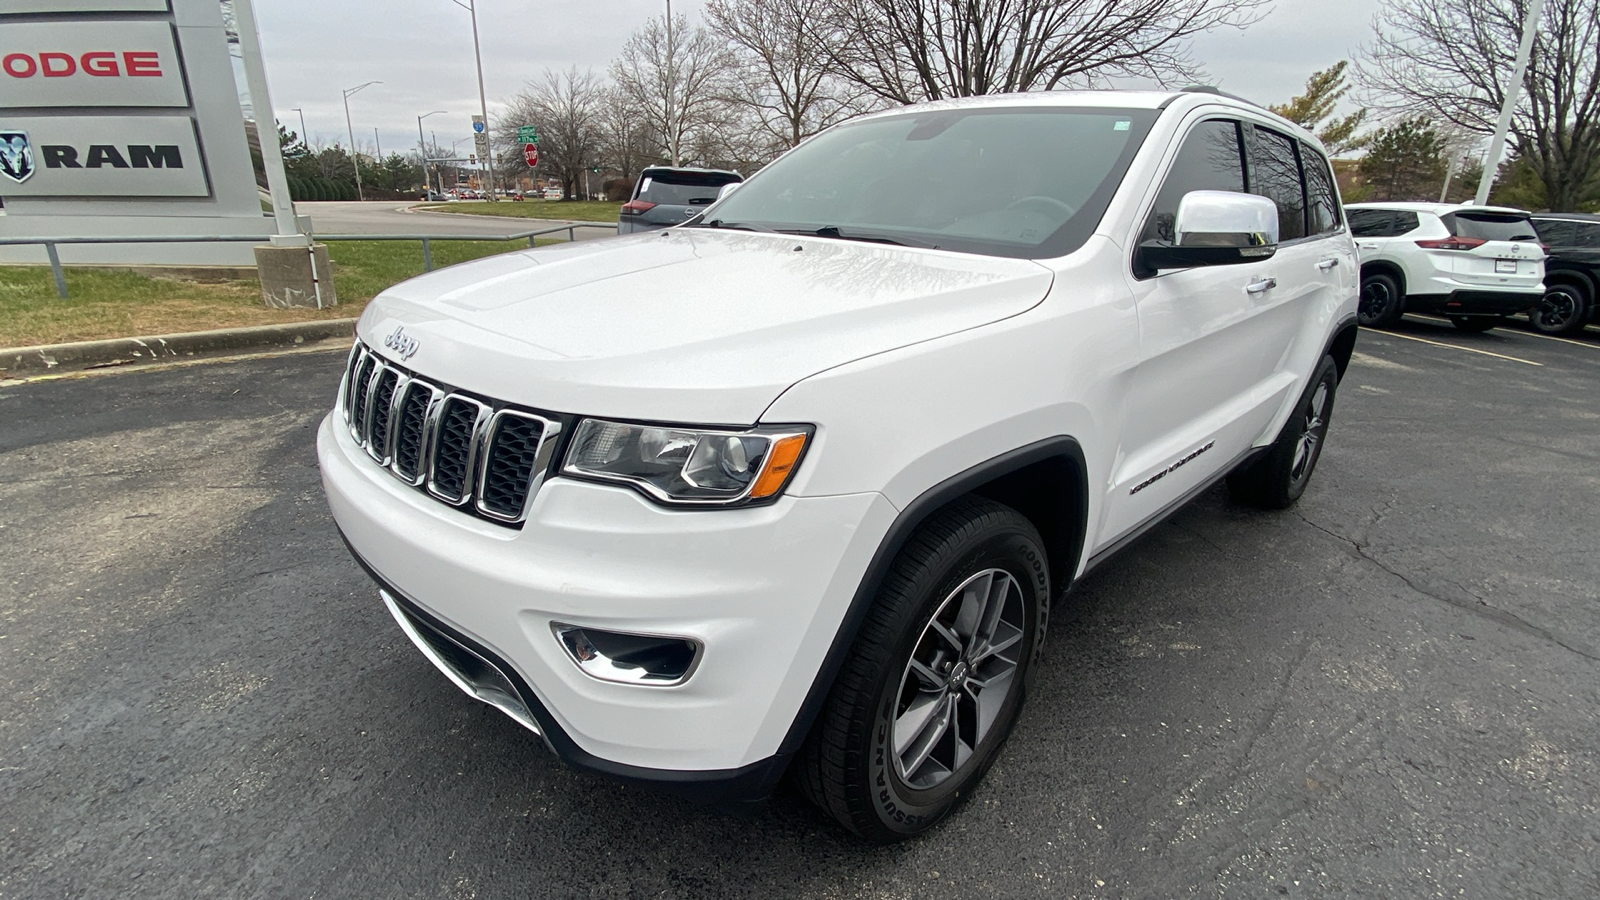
x=907, y=51
x=626, y=143
x=782, y=72
x=565, y=108
x=1450, y=60
x=674, y=76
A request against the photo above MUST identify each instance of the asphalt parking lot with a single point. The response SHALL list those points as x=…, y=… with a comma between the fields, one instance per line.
x=1390, y=691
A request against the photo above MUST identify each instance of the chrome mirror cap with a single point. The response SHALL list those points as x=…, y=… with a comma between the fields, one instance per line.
x=1226, y=219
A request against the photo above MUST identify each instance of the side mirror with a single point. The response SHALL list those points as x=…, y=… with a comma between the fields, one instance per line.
x=1216, y=228
x=728, y=188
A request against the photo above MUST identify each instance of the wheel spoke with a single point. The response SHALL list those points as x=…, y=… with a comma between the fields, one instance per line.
x=950, y=636
x=928, y=738
x=929, y=678
x=994, y=605
x=974, y=599
x=994, y=648
x=915, y=720
x=989, y=697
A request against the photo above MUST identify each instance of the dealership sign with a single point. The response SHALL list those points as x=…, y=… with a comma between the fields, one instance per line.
x=100, y=156
x=53, y=64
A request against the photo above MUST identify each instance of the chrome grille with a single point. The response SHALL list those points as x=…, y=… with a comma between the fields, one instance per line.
x=468, y=452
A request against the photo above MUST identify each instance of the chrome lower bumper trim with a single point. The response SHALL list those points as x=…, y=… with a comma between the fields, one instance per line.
x=497, y=690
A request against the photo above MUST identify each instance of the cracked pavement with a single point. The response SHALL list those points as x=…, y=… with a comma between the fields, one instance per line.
x=1388, y=691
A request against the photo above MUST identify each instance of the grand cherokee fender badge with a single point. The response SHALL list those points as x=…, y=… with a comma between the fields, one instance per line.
x=402, y=343
x=1170, y=469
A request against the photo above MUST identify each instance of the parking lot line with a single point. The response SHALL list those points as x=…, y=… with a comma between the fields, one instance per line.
x=1535, y=334
x=1459, y=347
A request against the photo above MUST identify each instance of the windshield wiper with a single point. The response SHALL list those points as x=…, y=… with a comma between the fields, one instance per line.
x=735, y=226
x=832, y=231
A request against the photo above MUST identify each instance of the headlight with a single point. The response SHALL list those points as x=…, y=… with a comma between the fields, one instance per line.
x=688, y=466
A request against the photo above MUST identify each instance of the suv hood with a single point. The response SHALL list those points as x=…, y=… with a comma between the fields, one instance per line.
x=689, y=325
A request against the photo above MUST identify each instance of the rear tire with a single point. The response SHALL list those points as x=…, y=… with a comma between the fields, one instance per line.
x=1564, y=310
x=1475, y=324
x=936, y=677
x=1277, y=480
x=1381, y=301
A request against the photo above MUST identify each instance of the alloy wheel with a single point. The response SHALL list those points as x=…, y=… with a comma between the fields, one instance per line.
x=1316, y=423
x=961, y=672
x=1376, y=299
x=1556, y=311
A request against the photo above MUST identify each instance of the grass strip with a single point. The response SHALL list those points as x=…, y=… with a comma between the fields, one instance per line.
x=571, y=210
x=109, y=304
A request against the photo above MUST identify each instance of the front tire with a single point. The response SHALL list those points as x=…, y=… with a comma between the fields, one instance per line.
x=1381, y=301
x=936, y=677
x=1277, y=480
x=1563, y=310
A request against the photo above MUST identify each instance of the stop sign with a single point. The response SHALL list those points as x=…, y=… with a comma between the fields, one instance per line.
x=530, y=152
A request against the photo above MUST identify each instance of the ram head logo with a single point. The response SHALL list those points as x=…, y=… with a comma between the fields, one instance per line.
x=16, y=156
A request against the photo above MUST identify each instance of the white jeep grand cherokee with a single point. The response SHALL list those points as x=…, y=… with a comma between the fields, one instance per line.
x=793, y=486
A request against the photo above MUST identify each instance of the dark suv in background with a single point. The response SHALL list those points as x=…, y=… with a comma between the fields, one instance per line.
x=1572, y=272
x=667, y=196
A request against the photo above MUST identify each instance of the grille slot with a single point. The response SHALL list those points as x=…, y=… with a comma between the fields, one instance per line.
x=360, y=391
x=509, y=463
x=454, y=446
x=452, y=449
x=411, y=423
x=381, y=401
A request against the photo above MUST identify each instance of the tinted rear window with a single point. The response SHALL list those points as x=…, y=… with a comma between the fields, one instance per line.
x=683, y=188
x=1491, y=228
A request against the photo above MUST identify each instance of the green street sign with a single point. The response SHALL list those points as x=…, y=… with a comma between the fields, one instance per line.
x=527, y=134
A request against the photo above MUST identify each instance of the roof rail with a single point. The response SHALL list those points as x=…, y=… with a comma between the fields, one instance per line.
x=1214, y=90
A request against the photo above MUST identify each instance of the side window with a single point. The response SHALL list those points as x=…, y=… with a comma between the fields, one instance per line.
x=1371, y=222
x=1322, y=204
x=1405, y=223
x=1588, y=237
x=1275, y=174
x=1556, y=233
x=1208, y=160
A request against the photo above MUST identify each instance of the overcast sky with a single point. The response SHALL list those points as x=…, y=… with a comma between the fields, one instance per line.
x=422, y=52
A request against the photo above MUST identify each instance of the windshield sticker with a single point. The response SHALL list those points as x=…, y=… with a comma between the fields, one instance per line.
x=1122, y=125
x=646, y=186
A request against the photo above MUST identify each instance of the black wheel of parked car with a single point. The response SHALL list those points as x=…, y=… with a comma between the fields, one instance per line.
x=1277, y=480
x=935, y=679
x=1563, y=310
x=1475, y=324
x=1380, y=304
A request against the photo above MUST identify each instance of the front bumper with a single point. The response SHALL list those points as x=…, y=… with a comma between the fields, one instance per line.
x=763, y=589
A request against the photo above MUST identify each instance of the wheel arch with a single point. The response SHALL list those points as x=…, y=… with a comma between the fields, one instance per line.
x=1385, y=267
x=1580, y=280
x=1343, y=345
x=1026, y=479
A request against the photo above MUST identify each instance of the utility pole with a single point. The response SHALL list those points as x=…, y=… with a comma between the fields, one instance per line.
x=483, y=102
x=673, y=120
x=354, y=156
x=1497, y=146
x=422, y=149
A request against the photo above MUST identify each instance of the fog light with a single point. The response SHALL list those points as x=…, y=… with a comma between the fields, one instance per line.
x=629, y=658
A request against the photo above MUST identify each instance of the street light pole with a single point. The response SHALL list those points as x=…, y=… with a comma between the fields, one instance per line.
x=379, y=142
x=354, y=156
x=483, y=102
x=672, y=77
x=1497, y=146
x=303, y=139
x=422, y=148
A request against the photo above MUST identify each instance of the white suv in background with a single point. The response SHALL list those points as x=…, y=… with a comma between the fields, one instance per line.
x=1474, y=264
x=793, y=487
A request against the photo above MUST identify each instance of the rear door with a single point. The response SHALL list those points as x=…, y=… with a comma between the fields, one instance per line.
x=1489, y=249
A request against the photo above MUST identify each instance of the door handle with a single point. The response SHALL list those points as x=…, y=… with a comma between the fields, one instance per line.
x=1261, y=285
x=1328, y=263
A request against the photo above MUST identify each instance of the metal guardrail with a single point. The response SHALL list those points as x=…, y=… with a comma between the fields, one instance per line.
x=427, y=240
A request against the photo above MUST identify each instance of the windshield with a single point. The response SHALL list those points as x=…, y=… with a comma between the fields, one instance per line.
x=1021, y=182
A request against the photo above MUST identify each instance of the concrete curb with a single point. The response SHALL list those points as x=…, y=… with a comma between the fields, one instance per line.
x=24, y=361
